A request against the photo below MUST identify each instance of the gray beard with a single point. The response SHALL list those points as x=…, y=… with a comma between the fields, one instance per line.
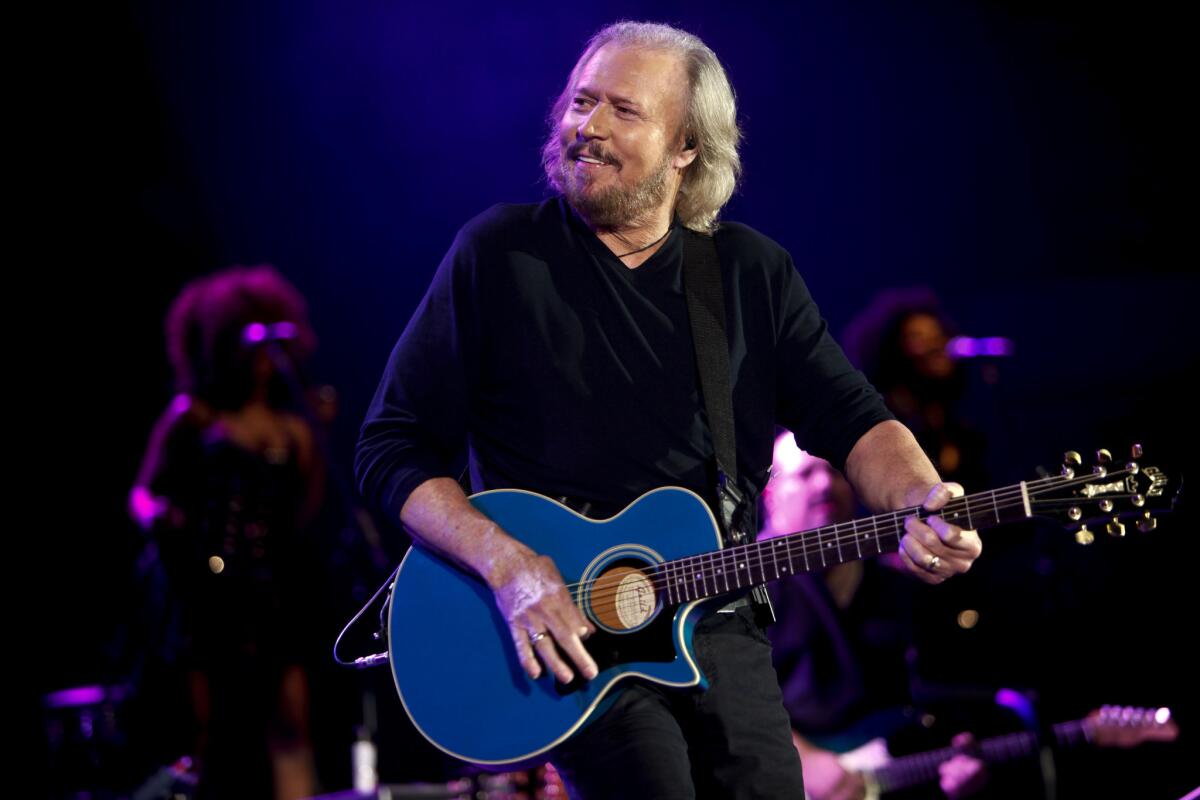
x=616, y=206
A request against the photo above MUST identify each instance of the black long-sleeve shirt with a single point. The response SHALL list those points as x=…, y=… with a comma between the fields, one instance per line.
x=560, y=370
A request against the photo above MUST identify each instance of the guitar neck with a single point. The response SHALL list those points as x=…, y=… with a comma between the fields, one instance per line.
x=919, y=768
x=743, y=566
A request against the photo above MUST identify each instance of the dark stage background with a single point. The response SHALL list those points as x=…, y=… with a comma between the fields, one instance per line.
x=1023, y=159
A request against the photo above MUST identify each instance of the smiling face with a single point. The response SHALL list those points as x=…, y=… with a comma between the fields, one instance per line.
x=621, y=139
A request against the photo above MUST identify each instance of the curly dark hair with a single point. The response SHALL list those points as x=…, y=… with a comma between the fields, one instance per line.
x=205, y=324
x=872, y=339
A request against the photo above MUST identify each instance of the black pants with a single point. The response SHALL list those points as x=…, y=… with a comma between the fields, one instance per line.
x=731, y=741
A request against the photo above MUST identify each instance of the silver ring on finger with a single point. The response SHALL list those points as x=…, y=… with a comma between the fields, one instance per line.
x=534, y=638
x=931, y=564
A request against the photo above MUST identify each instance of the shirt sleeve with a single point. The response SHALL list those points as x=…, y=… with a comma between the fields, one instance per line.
x=416, y=425
x=821, y=397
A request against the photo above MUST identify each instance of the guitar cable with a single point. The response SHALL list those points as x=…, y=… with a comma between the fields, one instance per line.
x=375, y=659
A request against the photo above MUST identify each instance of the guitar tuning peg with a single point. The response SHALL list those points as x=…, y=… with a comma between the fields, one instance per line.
x=1072, y=459
x=1147, y=523
x=1115, y=528
x=1132, y=467
x=1103, y=456
x=1106, y=505
x=1075, y=513
x=1099, y=471
x=1084, y=537
x=1138, y=500
x=1067, y=472
x=1136, y=451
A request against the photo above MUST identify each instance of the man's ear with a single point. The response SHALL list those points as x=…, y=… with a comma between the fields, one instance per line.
x=687, y=155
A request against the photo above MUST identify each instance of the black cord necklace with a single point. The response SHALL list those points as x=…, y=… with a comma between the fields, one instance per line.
x=647, y=247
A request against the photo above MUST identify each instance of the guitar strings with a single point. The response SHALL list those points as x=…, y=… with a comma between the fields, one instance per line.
x=804, y=544
x=681, y=572
x=756, y=557
x=891, y=521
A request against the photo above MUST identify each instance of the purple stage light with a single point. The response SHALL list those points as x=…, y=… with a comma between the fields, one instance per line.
x=76, y=697
x=259, y=332
x=980, y=347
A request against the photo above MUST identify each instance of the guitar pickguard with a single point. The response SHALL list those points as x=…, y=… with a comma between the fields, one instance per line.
x=652, y=643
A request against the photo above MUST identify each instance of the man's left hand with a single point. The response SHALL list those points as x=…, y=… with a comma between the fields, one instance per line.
x=935, y=550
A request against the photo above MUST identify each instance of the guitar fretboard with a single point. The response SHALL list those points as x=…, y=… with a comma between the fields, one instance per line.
x=743, y=566
x=914, y=770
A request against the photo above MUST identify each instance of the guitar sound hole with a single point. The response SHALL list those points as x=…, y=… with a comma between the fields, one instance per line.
x=622, y=597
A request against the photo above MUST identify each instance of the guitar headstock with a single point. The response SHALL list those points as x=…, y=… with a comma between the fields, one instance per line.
x=1125, y=726
x=1109, y=495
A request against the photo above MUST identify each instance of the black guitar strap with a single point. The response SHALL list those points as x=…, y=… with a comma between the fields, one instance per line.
x=706, y=311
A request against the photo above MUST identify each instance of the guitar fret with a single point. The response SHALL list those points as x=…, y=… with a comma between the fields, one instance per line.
x=821, y=545
x=857, y=546
x=712, y=571
x=787, y=548
x=804, y=550
x=680, y=586
x=733, y=563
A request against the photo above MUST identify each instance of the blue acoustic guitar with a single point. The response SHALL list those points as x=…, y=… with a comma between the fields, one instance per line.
x=644, y=578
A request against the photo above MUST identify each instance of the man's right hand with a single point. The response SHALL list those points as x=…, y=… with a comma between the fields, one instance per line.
x=826, y=779
x=542, y=618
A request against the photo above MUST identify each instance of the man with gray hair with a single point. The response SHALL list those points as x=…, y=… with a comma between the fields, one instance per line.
x=554, y=349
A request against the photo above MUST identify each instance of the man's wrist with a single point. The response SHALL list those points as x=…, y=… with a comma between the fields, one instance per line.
x=501, y=556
